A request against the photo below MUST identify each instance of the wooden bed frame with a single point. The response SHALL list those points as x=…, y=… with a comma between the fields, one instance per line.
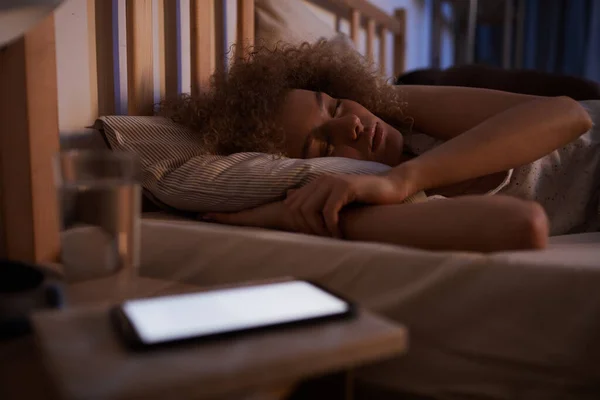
x=29, y=131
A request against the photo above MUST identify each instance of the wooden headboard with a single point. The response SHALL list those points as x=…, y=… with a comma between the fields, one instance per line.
x=29, y=126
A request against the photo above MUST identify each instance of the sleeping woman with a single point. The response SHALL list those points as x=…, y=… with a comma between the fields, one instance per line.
x=539, y=156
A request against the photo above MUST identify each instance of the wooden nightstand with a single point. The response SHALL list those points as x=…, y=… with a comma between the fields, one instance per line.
x=85, y=359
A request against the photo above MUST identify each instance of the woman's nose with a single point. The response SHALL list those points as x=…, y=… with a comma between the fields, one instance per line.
x=349, y=127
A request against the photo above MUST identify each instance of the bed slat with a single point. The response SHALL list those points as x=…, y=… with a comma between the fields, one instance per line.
x=367, y=9
x=202, y=21
x=245, y=27
x=220, y=38
x=162, y=75
x=28, y=141
x=171, y=64
x=400, y=43
x=92, y=56
x=140, y=69
x=383, y=51
x=354, y=26
x=371, y=40
x=100, y=19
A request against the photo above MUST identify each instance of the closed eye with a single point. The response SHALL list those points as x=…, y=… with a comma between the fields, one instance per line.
x=326, y=140
x=338, y=104
x=327, y=148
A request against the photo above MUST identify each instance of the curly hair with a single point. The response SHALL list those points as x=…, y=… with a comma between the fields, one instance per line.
x=237, y=113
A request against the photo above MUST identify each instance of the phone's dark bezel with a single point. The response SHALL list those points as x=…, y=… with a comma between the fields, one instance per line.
x=133, y=340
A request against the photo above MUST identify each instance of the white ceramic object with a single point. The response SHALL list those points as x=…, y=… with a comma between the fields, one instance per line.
x=18, y=16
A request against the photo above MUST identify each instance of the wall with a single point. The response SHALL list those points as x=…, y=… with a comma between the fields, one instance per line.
x=75, y=109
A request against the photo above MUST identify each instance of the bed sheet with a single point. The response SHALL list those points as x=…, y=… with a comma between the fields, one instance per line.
x=501, y=326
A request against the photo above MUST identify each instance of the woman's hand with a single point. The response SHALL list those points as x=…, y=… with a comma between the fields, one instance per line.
x=315, y=207
x=460, y=224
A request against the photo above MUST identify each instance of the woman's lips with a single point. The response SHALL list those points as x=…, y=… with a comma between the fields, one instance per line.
x=377, y=137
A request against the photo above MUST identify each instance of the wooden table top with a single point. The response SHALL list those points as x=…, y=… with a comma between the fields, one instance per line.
x=87, y=359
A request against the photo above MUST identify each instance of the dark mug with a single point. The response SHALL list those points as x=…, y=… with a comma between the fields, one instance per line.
x=25, y=288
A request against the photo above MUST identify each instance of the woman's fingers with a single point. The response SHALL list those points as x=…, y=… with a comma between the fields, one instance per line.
x=318, y=204
x=311, y=210
x=337, y=200
x=305, y=205
x=300, y=223
x=303, y=217
x=295, y=197
x=298, y=196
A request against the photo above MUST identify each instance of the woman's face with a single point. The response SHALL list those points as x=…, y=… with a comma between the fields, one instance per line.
x=318, y=125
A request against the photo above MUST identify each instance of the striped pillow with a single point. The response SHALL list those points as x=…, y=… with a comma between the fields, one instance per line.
x=177, y=172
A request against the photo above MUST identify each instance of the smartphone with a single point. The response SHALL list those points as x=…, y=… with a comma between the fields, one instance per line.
x=218, y=313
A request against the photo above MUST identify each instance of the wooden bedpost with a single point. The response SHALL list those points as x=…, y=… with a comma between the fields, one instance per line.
x=220, y=35
x=355, y=26
x=202, y=22
x=29, y=139
x=400, y=43
x=245, y=27
x=371, y=39
x=169, y=58
x=102, y=58
x=383, y=51
x=140, y=66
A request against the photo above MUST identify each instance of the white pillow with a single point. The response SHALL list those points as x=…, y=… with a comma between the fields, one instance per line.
x=177, y=172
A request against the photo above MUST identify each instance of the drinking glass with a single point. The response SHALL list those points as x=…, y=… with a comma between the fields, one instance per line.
x=99, y=197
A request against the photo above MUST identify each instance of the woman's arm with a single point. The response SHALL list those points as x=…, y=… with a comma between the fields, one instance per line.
x=523, y=131
x=472, y=223
x=444, y=112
